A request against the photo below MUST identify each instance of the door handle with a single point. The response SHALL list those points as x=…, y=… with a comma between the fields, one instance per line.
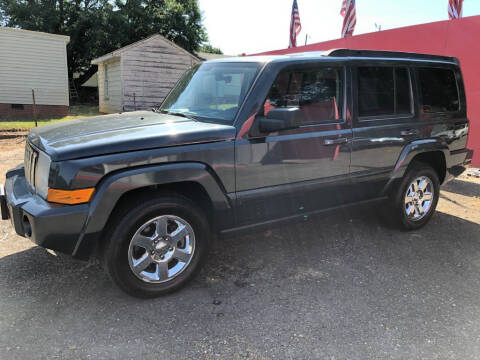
x=409, y=132
x=335, y=141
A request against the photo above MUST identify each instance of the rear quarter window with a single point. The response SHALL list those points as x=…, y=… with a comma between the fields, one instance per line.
x=438, y=89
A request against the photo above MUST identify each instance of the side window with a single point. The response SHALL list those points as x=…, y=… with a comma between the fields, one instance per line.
x=439, y=90
x=383, y=91
x=317, y=92
x=403, y=92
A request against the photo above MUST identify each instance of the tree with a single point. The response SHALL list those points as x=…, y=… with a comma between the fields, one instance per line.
x=208, y=48
x=97, y=27
x=178, y=20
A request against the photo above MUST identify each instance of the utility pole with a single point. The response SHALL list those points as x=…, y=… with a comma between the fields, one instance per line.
x=34, y=107
x=306, y=38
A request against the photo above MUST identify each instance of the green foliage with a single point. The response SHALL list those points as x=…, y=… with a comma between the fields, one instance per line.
x=97, y=27
x=178, y=20
x=208, y=48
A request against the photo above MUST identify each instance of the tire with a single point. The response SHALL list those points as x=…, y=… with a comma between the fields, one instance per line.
x=420, y=209
x=150, y=231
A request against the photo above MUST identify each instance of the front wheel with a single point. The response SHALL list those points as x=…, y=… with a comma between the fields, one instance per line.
x=157, y=245
x=415, y=199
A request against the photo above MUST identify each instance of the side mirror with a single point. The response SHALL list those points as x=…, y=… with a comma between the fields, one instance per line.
x=280, y=119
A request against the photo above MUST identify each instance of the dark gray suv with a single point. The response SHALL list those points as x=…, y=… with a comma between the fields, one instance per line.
x=237, y=144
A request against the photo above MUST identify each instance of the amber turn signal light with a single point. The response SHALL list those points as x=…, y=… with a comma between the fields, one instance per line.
x=70, y=197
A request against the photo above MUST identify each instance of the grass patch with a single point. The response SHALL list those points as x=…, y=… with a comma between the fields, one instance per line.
x=75, y=112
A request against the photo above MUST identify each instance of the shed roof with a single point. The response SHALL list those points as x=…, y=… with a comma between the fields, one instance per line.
x=22, y=32
x=209, y=56
x=118, y=52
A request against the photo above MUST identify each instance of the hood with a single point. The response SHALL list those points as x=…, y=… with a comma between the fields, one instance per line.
x=116, y=133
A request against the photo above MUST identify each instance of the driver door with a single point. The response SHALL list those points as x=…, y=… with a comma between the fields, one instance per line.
x=294, y=171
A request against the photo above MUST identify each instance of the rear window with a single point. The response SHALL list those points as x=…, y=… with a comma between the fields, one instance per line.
x=383, y=91
x=439, y=90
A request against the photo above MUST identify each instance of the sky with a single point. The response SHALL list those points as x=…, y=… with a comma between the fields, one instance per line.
x=252, y=26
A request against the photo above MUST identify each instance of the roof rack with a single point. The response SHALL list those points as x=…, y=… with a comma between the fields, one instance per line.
x=387, y=54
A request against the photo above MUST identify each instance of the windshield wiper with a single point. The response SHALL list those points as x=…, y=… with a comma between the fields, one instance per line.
x=182, y=114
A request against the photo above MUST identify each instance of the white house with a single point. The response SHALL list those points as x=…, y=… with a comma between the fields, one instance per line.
x=37, y=61
x=140, y=75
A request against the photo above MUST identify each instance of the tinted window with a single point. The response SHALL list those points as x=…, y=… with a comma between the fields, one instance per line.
x=439, y=90
x=383, y=91
x=403, y=93
x=317, y=92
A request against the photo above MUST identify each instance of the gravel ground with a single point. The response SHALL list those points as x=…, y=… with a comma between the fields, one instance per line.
x=343, y=286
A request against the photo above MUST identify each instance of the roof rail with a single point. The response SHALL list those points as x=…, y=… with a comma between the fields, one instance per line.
x=388, y=54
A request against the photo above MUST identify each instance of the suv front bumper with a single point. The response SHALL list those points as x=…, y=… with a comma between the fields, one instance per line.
x=52, y=226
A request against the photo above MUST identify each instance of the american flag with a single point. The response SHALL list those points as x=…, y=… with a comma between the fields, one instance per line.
x=295, y=26
x=349, y=17
x=455, y=9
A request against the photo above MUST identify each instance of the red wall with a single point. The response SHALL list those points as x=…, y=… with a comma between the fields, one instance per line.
x=457, y=38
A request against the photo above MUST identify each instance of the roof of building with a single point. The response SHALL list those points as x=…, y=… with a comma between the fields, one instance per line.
x=118, y=52
x=209, y=56
x=92, y=81
x=23, y=32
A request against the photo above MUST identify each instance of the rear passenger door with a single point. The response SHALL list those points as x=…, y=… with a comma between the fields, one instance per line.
x=384, y=122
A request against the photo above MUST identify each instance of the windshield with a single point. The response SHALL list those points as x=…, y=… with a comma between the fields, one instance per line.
x=211, y=90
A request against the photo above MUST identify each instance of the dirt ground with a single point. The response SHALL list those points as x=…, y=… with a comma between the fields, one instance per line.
x=343, y=286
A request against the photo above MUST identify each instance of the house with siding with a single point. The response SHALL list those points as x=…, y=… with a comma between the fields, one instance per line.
x=37, y=61
x=140, y=75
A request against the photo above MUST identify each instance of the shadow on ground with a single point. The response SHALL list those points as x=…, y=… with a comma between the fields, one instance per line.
x=338, y=286
x=461, y=187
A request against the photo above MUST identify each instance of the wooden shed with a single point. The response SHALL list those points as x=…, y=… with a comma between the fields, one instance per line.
x=140, y=75
x=33, y=60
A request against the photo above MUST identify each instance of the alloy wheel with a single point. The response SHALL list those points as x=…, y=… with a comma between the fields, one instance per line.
x=419, y=198
x=161, y=249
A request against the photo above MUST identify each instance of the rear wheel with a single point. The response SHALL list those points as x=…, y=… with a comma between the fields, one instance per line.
x=156, y=246
x=415, y=199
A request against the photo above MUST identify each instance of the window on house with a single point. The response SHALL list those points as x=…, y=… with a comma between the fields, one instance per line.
x=17, y=106
x=317, y=92
x=105, y=81
x=439, y=90
x=384, y=91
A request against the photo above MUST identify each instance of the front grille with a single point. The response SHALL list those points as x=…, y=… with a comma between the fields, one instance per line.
x=30, y=162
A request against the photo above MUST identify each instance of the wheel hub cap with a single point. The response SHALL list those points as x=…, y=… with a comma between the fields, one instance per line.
x=161, y=249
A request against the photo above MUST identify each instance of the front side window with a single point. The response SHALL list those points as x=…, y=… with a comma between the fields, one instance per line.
x=383, y=91
x=212, y=91
x=439, y=90
x=318, y=93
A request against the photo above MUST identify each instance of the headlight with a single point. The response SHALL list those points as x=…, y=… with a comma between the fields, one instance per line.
x=41, y=174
